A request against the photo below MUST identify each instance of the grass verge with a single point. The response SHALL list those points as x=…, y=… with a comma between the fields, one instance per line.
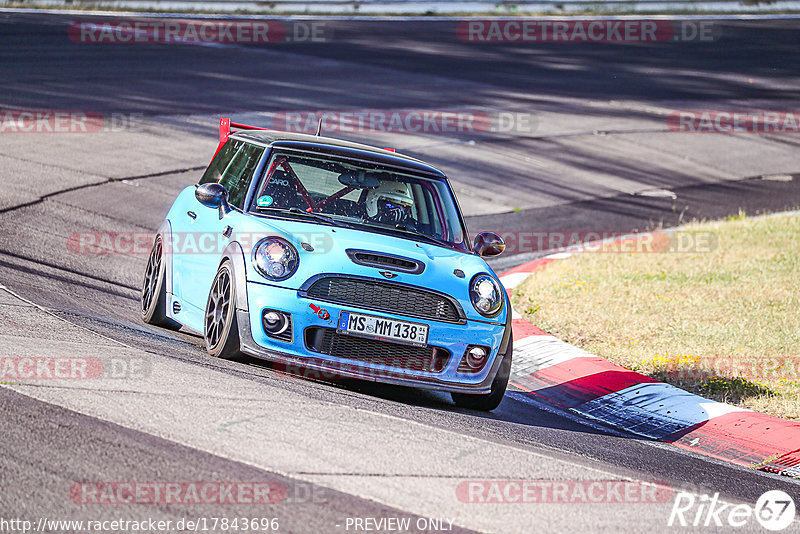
x=723, y=323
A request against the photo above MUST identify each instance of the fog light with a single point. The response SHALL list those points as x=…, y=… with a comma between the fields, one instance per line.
x=275, y=323
x=476, y=357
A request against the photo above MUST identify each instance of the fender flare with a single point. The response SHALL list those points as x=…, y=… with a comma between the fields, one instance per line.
x=507, y=333
x=165, y=231
x=235, y=254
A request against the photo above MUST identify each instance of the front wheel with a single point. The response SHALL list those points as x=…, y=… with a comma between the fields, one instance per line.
x=221, y=330
x=491, y=400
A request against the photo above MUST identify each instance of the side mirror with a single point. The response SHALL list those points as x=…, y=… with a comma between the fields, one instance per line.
x=488, y=244
x=213, y=196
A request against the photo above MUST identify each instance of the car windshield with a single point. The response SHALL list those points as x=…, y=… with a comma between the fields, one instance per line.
x=360, y=195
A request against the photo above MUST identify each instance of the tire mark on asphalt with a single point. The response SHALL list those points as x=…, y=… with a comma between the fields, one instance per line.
x=112, y=180
x=52, y=313
x=67, y=270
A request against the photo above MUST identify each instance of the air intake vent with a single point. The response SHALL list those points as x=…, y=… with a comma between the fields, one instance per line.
x=386, y=261
x=387, y=297
x=329, y=341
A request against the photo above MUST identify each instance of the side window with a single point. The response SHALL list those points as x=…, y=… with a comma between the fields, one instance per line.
x=221, y=161
x=236, y=177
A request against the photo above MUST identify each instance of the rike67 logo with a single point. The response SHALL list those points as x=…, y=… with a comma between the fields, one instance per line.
x=774, y=510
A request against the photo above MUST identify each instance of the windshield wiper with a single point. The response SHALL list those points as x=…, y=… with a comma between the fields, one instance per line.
x=297, y=211
x=414, y=231
x=408, y=230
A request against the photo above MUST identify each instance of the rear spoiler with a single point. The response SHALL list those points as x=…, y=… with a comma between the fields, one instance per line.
x=225, y=126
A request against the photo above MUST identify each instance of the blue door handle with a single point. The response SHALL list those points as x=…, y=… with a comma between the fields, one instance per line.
x=191, y=214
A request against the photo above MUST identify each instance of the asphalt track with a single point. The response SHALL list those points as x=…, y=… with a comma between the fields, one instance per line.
x=349, y=449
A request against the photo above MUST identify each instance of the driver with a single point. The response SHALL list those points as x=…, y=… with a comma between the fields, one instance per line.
x=390, y=203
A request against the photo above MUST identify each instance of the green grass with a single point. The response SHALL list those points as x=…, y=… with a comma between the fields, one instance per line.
x=723, y=323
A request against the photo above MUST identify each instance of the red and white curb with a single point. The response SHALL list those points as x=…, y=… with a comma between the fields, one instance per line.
x=574, y=380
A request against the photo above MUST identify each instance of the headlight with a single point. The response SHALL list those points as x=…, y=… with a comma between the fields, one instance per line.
x=486, y=295
x=275, y=258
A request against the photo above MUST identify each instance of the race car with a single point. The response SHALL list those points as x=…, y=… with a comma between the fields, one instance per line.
x=322, y=254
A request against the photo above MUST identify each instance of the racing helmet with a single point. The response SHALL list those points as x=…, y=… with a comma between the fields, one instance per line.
x=390, y=202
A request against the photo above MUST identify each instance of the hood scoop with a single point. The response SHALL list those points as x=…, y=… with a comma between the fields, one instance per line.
x=381, y=260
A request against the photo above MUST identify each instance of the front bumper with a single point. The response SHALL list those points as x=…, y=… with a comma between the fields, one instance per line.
x=453, y=337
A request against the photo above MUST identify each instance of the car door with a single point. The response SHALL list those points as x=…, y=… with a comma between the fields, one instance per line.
x=205, y=235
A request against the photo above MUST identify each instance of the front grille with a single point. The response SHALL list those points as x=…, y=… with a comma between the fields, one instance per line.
x=385, y=261
x=329, y=341
x=385, y=297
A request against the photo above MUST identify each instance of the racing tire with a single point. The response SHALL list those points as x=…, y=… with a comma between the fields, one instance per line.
x=220, y=327
x=153, y=297
x=489, y=401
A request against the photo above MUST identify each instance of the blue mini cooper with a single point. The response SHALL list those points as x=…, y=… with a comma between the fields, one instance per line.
x=336, y=257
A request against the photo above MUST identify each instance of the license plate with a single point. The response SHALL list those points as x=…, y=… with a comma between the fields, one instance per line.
x=356, y=324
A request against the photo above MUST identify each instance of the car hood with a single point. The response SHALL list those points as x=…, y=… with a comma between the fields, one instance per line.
x=330, y=245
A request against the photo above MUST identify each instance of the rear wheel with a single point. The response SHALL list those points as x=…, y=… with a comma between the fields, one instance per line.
x=221, y=330
x=154, y=290
x=489, y=401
